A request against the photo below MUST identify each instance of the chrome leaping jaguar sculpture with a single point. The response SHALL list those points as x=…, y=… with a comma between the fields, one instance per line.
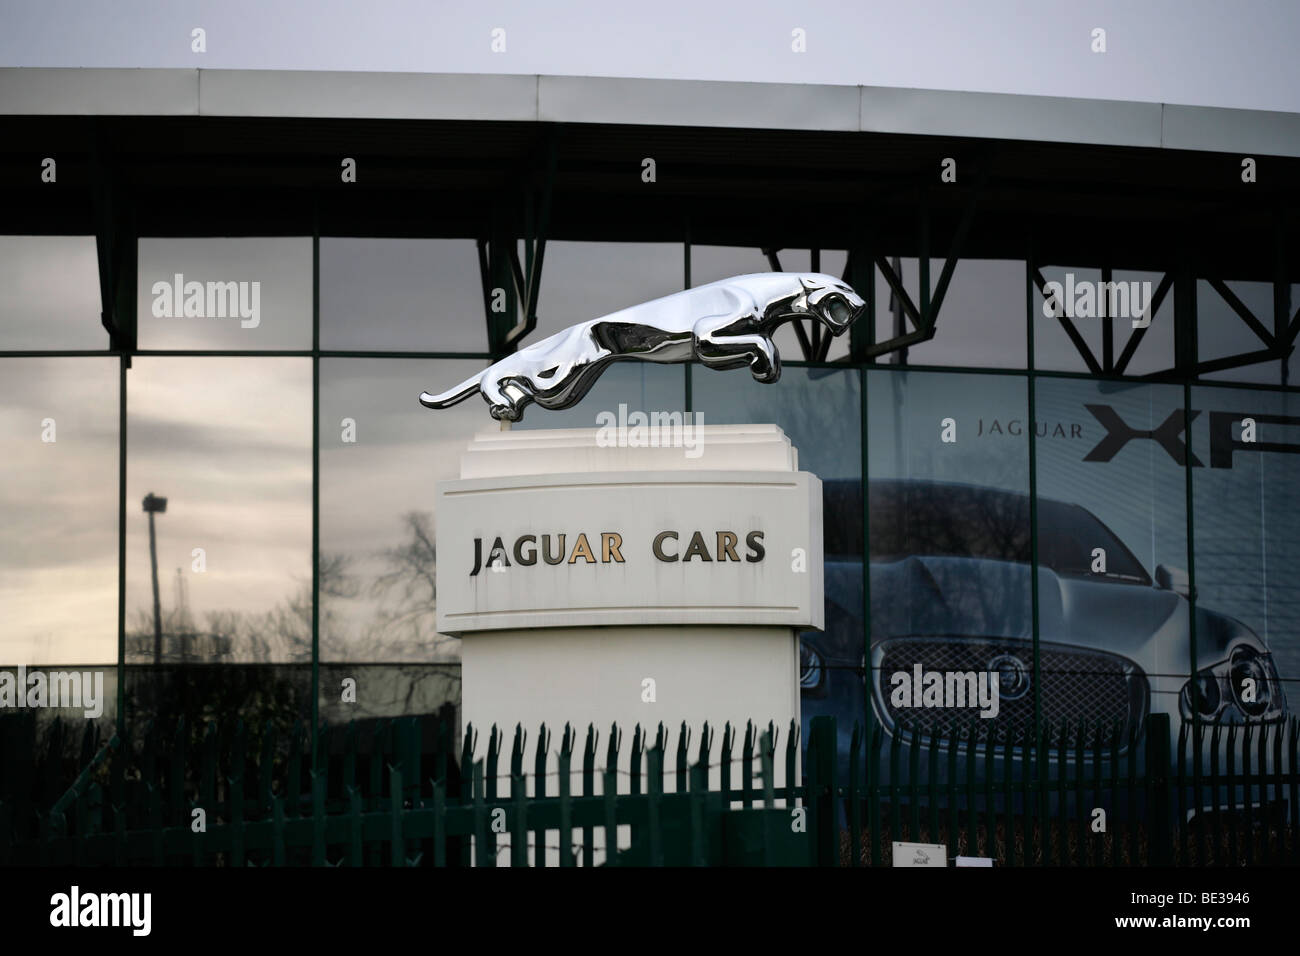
x=725, y=324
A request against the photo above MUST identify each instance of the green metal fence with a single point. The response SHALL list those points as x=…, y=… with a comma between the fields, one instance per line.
x=1074, y=795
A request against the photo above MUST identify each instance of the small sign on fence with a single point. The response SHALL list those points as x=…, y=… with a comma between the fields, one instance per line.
x=974, y=861
x=920, y=854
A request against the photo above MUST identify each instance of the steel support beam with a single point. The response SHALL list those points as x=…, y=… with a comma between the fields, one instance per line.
x=115, y=246
x=499, y=263
x=1079, y=344
x=1136, y=336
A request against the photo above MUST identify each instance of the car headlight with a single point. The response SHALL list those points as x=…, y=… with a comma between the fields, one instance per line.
x=811, y=670
x=1245, y=686
x=1254, y=681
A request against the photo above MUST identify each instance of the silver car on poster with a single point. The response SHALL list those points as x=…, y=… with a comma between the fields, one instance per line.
x=950, y=568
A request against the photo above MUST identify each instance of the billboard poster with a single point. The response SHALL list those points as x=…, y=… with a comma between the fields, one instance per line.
x=951, y=638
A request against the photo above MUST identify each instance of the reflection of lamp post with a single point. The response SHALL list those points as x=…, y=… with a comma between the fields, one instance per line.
x=152, y=505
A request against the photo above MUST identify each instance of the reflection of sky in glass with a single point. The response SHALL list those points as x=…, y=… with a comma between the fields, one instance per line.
x=402, y=450
x=228, y=442
x=58, y=511
x=981, y=320
x=1053, y=349
x=820, y=411
x=585, y=280
x=1221, y=332
x=1156, y=350
x=908, y=271
x=281, y=319
x=421, y=295
x=49, y=293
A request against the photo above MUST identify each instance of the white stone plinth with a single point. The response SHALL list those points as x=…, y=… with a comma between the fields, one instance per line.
x=691, y=613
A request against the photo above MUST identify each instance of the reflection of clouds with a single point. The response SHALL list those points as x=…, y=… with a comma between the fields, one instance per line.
x=58, y=511
x=585, y=280
x=282, y=266
x=402, y=450
x=426, y=294
x=49, y=293
x=389, y=294
x=1221, y=332
x=228, y=442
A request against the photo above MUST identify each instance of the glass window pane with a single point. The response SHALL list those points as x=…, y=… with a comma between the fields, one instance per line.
x=1293, y=364
x=227, y=443
x=891, y=319
x=1221, y=332
x=1053, y=348
x=252, y=693
x=820, y=410
x=981, y=321
x=49, y=294
x=1155, y=350
x=1111, y=515
x=394, y=690
x=58, y=510
x=1126, y=301
x=585, y=280
x=1247, y=538
x=381, y=455
x=419, y=295
x=950, y=556
x=225, y=294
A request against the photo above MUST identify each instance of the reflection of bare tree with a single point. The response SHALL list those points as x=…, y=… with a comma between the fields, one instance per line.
x=915, y=520
x=819, y=411
x=403, y=626
x=408, y=589
x=388, y=690
x=281, y=635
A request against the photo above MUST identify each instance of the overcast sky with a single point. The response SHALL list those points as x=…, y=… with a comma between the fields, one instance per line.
x=1199, y=52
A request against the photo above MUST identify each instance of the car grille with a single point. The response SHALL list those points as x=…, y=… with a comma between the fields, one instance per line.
x=1079, y=685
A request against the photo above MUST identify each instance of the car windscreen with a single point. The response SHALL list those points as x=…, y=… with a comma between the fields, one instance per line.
x=942, y=520
x=1068, y=539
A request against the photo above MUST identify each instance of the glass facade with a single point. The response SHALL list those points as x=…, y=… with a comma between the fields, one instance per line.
x=1105, y=546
